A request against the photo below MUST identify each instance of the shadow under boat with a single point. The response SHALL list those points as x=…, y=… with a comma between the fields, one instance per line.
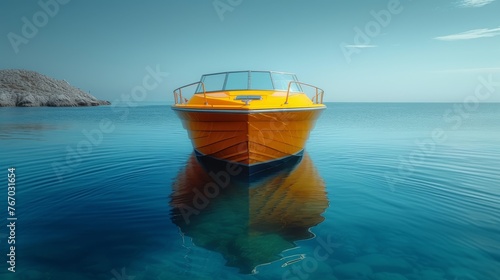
x=250, y=172
x=249, y=220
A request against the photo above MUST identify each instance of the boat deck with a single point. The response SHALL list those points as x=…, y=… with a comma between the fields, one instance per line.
x=249, y=90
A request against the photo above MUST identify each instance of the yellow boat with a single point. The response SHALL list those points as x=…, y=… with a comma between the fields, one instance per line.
x=253, y=118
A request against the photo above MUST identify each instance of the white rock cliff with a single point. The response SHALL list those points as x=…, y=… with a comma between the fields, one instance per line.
x=25, y=88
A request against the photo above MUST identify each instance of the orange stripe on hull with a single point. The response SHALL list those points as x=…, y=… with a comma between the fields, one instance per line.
x=250, y=138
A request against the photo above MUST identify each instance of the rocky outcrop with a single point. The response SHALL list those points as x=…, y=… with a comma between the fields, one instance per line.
x=25, y=88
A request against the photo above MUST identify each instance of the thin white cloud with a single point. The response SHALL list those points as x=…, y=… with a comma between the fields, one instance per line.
x=470, y=70
x=471, y=34
x=474, y=3
x=360, y=46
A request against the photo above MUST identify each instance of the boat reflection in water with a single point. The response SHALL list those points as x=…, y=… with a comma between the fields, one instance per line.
x=249, y=221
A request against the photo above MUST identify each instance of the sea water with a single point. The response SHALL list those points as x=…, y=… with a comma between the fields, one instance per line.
x=394, y=191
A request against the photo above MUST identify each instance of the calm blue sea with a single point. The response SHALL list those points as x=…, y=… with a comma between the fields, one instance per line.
x=384, y=191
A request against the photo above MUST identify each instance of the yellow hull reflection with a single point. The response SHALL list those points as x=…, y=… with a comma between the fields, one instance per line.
x=249, y=222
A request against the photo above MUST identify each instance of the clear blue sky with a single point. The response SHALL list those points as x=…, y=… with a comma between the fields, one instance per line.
x=429, y=50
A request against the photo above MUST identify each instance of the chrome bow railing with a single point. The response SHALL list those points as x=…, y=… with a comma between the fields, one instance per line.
x=178, y=93
x=317, y=98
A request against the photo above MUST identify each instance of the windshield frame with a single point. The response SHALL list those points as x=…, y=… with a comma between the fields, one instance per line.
x=295, y=87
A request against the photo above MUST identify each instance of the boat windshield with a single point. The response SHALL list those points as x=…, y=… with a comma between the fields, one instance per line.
x=249, y=80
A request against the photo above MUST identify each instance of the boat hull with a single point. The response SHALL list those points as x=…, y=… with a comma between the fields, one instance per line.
x=249, y=137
